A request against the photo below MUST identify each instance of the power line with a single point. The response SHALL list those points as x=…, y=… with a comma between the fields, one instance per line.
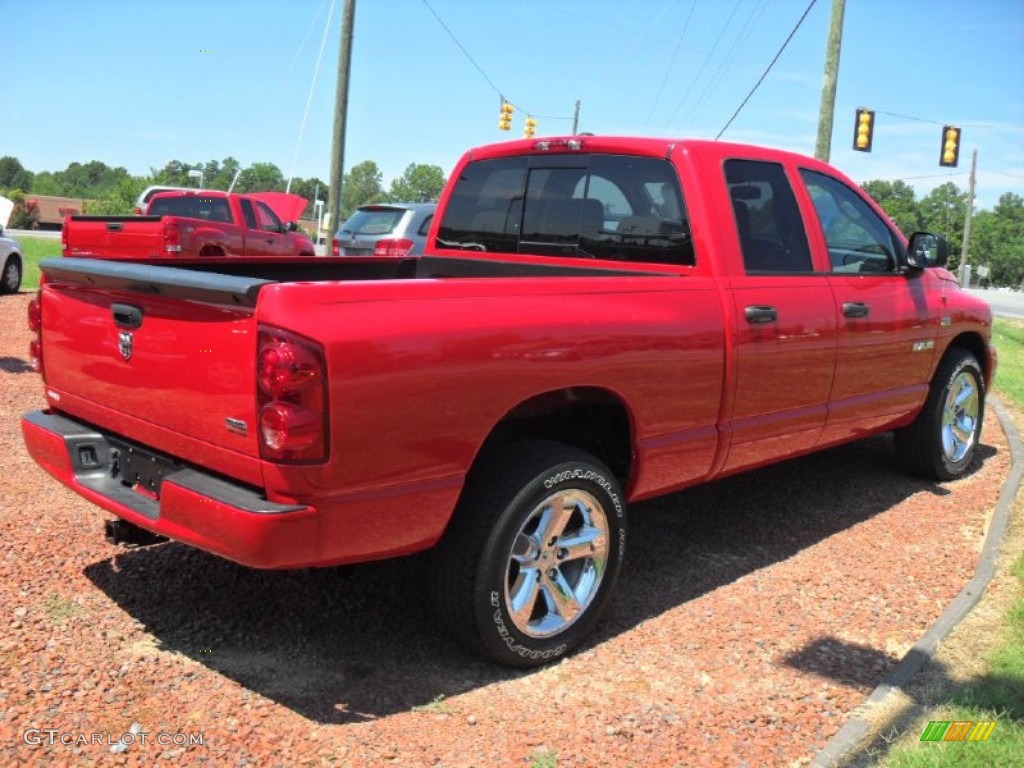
x=769, y=69
x=480, y=69
x=672, y=61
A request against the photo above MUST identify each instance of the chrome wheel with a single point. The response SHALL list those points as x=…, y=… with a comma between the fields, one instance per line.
x=960, y=416
x=557, y=562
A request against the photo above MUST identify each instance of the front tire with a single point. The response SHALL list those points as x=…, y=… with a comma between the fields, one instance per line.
x=531, y=556
x=941, y=443
x=10, y=280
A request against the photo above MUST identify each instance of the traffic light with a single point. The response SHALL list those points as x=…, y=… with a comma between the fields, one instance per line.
x=529, y=127
x=863, y=130
x=950, y=146
x=505, y=120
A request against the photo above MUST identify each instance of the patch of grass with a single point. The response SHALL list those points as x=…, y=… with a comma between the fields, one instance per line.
x=998, y=695
x=436, y=706
x=35, y=250
x=543, y=758
x=60, y=609
x=1008, y=338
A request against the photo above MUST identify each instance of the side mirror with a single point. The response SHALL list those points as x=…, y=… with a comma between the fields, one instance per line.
x=291, y=226
x=927, y=250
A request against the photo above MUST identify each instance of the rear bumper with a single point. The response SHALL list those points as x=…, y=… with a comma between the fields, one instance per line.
x=193, y=507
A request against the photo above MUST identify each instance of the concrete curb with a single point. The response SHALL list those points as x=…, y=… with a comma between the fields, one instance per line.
x=853, y=735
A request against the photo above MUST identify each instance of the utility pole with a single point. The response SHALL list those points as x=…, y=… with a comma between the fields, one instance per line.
x=576, y=118
x=340, y=112
x=970, y=209
x=823, y=148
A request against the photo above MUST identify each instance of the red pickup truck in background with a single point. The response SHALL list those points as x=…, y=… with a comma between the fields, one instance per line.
x=203, y=223
x=595, y=321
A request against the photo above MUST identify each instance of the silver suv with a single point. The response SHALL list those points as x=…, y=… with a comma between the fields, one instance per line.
x=13, y=264
x=385, y=229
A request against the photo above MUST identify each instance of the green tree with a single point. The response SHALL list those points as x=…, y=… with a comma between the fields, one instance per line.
x=363, y=184
x=418, y=184
x=943, y=211
x=260, y=177
x=309, y=189
x=121, y=200
x=897, y=199
x=13, y=175
x=45, y=183
x=997, y=240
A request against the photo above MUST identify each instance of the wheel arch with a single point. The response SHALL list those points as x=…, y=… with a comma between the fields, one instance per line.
x=977, y=346
x=592, y=419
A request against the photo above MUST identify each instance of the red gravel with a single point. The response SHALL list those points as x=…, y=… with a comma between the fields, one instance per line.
x=753, y=615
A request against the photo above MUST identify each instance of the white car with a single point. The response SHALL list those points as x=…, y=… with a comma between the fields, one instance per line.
x=14, y=264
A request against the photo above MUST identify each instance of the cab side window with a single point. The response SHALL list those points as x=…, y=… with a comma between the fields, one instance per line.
x=858, y=239
x=768, y=221
x=248, y=214
x=267, y=218
x=612, y=207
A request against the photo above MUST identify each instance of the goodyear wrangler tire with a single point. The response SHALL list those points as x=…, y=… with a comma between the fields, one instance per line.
x=941, y=443
x=531, y=557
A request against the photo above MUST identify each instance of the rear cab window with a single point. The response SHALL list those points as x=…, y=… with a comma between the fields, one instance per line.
x=373, y=221
x=601, y=206
x=192, y=207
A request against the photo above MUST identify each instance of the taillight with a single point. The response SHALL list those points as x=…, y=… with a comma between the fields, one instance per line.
x=291, y=385
x=335, y=247
x=172, y=239
x=35, y=324
x=393, y=248
x=64, y=238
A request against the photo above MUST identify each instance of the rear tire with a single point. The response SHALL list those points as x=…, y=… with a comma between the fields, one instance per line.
x=10, y=280
x=530, y=559
x=941, y=443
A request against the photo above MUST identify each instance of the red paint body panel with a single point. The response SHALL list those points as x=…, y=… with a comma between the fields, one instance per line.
x=421, y=369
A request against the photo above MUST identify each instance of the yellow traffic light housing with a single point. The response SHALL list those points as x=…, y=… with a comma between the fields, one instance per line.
x=863, y=130
x=529, y=127
x=950, y=154
x=505, y=119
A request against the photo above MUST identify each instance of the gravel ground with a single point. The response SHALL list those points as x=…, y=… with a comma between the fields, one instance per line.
x=753, y=615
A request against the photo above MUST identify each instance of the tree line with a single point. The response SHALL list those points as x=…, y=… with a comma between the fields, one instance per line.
x=997, y=235
x=113, y=191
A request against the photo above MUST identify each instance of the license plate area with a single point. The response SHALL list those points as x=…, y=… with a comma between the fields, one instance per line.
x=141, y=470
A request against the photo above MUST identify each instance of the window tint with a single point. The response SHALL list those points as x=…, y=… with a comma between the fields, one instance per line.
x=768, y=220
x=858, y=239
x=425, y=226
x=248, y=214
x=485, y=210
x=372, y=221
x=192, y=207
x=602, y=206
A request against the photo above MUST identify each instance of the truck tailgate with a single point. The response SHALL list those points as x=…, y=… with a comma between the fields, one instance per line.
x=125, y=237
x=131, y=346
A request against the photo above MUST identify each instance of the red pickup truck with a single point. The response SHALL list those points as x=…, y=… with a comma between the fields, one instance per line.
x=194, y=223
x=595, y=321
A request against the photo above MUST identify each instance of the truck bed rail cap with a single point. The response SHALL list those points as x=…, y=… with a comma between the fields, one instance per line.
x=208, y=287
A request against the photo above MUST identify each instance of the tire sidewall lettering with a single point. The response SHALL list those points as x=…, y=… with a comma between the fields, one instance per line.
x=502, y=630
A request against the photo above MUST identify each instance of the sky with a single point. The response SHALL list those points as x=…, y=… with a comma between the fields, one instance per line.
x=137, y=83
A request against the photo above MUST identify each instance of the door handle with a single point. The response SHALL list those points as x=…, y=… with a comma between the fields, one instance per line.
x=126, y=316
x=855, y=309
x=761, y=314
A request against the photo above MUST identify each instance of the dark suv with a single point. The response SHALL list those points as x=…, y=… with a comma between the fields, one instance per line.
x=385, y=229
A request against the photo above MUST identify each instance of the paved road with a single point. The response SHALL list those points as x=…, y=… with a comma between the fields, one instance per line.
x=1004, y=302
x=50, y=234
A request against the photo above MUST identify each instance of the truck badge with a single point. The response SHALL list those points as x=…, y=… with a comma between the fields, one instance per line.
x=124, y=344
